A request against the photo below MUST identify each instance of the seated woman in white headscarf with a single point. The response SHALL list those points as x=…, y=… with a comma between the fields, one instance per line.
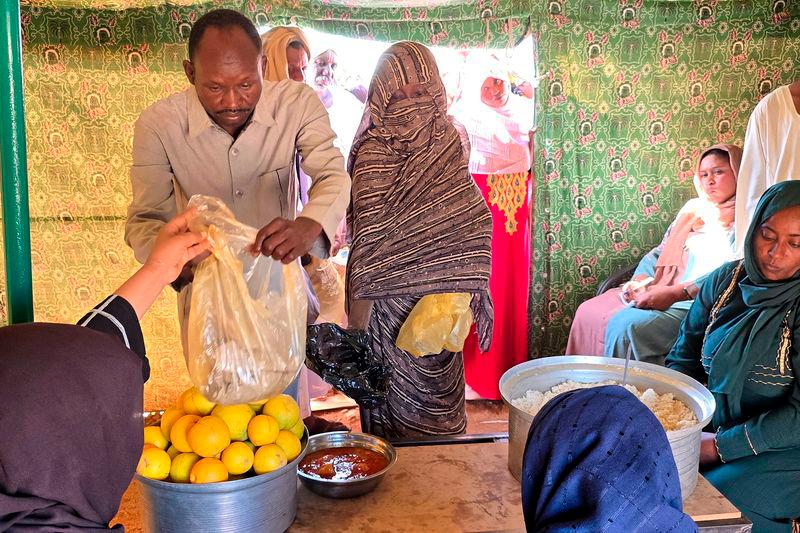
x=645, y=314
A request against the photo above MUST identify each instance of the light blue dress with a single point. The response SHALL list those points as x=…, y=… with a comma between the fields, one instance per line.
x=651, y=334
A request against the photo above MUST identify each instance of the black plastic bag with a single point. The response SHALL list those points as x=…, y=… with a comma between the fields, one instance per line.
x=344, y=359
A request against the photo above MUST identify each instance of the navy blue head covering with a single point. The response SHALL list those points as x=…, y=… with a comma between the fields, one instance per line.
x=598, y=460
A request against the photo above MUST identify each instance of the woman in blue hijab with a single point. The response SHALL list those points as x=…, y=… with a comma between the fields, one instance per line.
x=741, y=337
x=598, y=460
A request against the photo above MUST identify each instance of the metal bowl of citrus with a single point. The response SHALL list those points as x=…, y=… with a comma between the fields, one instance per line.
x=231, y=498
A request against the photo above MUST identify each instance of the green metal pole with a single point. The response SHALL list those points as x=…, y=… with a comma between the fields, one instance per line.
x=16, y=220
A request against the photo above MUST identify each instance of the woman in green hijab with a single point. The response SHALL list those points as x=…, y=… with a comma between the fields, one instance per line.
x=741, y=336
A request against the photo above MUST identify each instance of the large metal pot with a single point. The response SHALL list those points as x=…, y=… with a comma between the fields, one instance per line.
x=261, y=504
x=542, y=374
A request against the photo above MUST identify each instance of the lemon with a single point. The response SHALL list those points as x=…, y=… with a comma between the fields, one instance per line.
x=154, y=463
x=194, y=403
x=258, y=405
x=181, y=466
x=251, y=445
x=268, y=458
x=284, y=409
x=153, y=435
x=289, y=443
x=298, y=429
x=177, y=434
x=169, y=417
x=262, y=429
x=236, y=417
x=173, y=452
x=209, y=436
x=238, y=458
x=208, y=470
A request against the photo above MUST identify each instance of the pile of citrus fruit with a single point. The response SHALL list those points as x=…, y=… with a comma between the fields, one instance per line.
x=201, y=442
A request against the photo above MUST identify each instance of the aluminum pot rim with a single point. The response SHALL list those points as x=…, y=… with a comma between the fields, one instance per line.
x=641, y=366
x=392, y=457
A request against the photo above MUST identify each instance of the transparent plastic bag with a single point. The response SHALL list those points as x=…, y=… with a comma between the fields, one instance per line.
x=247, y=320
x=438, y=322
x=329, y=288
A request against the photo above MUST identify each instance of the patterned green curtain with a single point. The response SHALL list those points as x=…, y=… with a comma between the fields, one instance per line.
x=455, y=23
x=630, y=92
x=92, y=66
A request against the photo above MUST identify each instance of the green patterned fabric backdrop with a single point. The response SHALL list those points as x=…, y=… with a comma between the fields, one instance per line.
x=631, y=91
x=92, y=66
x=129, y=22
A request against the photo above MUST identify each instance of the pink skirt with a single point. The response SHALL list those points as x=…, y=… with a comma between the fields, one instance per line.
x=586, y=337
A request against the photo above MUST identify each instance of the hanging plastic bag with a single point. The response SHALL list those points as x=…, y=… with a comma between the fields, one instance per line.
x=344, y=359
x=328, y=288
x=247, y=320
x=438, y=322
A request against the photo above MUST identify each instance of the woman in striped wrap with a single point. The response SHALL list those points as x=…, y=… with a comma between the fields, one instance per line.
x=417, y=225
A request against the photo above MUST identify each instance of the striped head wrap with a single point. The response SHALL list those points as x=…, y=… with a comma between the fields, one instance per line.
x=417, y=222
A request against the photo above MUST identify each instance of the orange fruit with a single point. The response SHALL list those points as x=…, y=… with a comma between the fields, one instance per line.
x=269, y=458
x=180, y=429
x=194, y=403
x=173, y=452
x=153, y=435
x=262, y=429
x=284, y=409
x=289, y=443
x=209, y=436
x=298, y=429
x=169, y=417
x=181, y=466
x=238, y=458
x=258, y=405
x=154, y=463
x=236, y=417
x=208, y=470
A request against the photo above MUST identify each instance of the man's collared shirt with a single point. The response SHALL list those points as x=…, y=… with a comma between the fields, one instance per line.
x=179, y=151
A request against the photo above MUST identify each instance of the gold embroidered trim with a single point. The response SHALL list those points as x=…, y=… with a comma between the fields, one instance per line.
x=771, y=383
x=716, y=445
x=508, y=192
x=785, y=344
x=746, y=434
x=720, y=303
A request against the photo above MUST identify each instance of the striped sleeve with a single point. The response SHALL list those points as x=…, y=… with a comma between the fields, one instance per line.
x=116, y=316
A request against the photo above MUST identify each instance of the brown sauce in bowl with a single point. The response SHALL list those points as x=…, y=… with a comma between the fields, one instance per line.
x=348, y=462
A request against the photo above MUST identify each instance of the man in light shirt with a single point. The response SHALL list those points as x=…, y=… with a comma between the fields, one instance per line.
x=234, y=136
x=771, y=152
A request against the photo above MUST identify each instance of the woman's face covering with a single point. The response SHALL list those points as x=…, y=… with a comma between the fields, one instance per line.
x=717, y=178
x=776, y=245
x=410, y=90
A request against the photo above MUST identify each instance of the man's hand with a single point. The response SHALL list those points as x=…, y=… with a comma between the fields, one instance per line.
x=175, y=246
x=286, y=240
x=659, y=298
x=708, y=449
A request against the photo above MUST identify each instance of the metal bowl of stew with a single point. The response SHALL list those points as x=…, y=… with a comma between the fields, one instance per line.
x=354, y=473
